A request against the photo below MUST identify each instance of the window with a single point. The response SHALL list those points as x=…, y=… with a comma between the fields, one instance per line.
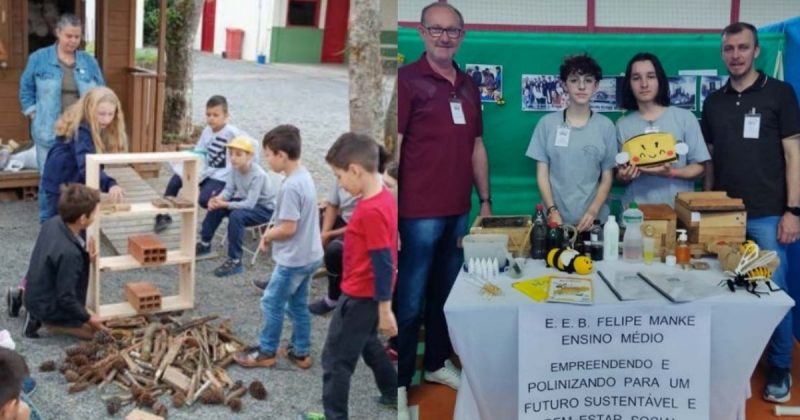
x=302, y=13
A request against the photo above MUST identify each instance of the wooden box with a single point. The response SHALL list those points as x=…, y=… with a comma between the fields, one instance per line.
x=711, y=216
x=664, y=221
x=143, y=296
x=518, y=229
x=147, y=249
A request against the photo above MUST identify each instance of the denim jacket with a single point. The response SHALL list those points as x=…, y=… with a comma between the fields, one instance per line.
x=40, y=89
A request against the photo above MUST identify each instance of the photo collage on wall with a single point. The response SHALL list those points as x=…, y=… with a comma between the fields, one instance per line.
x=544, y=92
x=489, y=78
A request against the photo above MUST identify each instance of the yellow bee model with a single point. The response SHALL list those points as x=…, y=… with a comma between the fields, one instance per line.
x=753, y=267
x=569, y=260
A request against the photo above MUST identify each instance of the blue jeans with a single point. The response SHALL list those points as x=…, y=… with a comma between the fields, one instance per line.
x=48, y=205
x=208, y=188
x=44, y=211
x=430, y=259
x=238, y=220
x=288, y=285
x=793, y=281
x=764, y=230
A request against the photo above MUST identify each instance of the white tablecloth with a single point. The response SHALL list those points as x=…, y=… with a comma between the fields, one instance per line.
x=484, y=334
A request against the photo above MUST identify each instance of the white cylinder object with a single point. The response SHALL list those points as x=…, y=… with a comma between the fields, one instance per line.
x=783, y=410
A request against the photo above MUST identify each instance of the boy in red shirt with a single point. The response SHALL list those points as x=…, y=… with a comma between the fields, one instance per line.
x=368, y=277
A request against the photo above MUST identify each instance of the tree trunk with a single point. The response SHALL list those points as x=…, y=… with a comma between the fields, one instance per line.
x=365, y=69
x=183, y=17
x=390, y=122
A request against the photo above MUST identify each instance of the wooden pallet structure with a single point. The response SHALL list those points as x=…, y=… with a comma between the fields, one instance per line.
x=183, y=256
x=22, y=185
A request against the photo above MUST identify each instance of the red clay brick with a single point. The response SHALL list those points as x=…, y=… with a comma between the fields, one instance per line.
x=143, y=296
x=147, y=249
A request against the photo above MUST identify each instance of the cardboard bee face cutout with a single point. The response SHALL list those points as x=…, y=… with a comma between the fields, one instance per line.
x=651, y=149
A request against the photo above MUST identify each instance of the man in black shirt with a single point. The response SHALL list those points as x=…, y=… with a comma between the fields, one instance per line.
x=58, y=274
x=752, y=127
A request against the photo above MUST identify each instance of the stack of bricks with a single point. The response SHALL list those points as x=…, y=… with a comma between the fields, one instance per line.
x=147, y=249
x=143, y=296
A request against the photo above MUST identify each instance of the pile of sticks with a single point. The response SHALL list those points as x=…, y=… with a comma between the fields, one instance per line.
x=140, y=360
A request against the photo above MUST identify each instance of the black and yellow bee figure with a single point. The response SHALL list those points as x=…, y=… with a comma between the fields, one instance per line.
x=752, y=268
x=569, y=260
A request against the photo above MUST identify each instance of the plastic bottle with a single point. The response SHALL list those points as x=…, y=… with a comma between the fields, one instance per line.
x=539, y=235
x=683, y=254
x=554, y=237
x=611, y=239
x=648, y=244
x=632, y=241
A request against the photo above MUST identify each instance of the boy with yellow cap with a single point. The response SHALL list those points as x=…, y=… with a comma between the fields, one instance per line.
x=247, y=200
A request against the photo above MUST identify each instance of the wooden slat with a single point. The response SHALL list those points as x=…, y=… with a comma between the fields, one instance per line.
x=141, y=157
x=138, y=192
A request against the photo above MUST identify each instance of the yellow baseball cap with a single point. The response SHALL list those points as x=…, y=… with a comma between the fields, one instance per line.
x=241, y=143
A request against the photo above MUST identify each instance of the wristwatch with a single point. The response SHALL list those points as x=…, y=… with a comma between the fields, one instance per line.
x=794, y=210
x=486, y=200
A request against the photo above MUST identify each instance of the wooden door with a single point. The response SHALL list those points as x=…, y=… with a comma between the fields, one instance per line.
x=209, y=20
x=334, y=39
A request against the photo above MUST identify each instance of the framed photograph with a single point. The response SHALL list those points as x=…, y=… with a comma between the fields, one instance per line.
x=683, y=91
x=489, y=78
x=605, y=99
x=708, y=84
x=542, y=92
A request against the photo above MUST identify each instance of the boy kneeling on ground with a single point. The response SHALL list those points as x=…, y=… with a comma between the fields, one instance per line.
x=58, y=273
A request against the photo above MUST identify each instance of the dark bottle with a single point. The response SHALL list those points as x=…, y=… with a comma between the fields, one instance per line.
x=555, y=236
x=539, y=235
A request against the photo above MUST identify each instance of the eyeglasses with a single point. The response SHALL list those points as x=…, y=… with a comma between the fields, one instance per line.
x=451, y=32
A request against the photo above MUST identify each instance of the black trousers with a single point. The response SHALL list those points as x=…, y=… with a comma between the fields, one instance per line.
x=353, y=333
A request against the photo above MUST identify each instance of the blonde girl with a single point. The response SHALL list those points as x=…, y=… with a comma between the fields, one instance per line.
x=94, y=124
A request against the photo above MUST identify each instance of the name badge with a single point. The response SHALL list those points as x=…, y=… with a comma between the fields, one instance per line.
x=752, y=125
x=562, y=137
x=457, y=111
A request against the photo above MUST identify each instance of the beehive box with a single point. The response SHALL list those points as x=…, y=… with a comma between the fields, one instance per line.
x=711, y=216
x=664, y=221
x=147, y=249
x=143, y=296
x=518, y=229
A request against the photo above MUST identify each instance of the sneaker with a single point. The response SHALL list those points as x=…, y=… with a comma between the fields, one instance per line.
x=253, y=357
x=402, y=404
x=202, y=249
x=779, y=382
x=229, y=268
x=31, y=326
x=320, y=307
x=447, y=375
x=29, y=386
x=303, y=362
x=261, y=283
x=162, y=222
x=388, y=401
x=14, y=300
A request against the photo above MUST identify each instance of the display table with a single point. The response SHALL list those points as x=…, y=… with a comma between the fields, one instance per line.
x=484, y=334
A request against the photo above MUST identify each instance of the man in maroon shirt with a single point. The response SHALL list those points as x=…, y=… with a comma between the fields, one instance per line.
x=441, y=155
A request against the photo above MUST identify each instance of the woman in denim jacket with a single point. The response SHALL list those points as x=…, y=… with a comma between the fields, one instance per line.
x=54, y=78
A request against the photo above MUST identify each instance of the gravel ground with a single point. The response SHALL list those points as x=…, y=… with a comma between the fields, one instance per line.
x=314, y=98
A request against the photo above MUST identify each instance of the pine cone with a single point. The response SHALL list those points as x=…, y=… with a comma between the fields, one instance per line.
x=71, y=376
x=113, y=405
x=212, y=396
x=235, y=404
x=258, y=391
x=47, y=366
x=178, y=400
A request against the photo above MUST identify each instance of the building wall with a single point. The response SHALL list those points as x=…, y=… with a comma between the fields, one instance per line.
x=275, y=40
x=566, y=15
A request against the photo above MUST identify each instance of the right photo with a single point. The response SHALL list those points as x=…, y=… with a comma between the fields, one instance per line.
x=598, y=210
